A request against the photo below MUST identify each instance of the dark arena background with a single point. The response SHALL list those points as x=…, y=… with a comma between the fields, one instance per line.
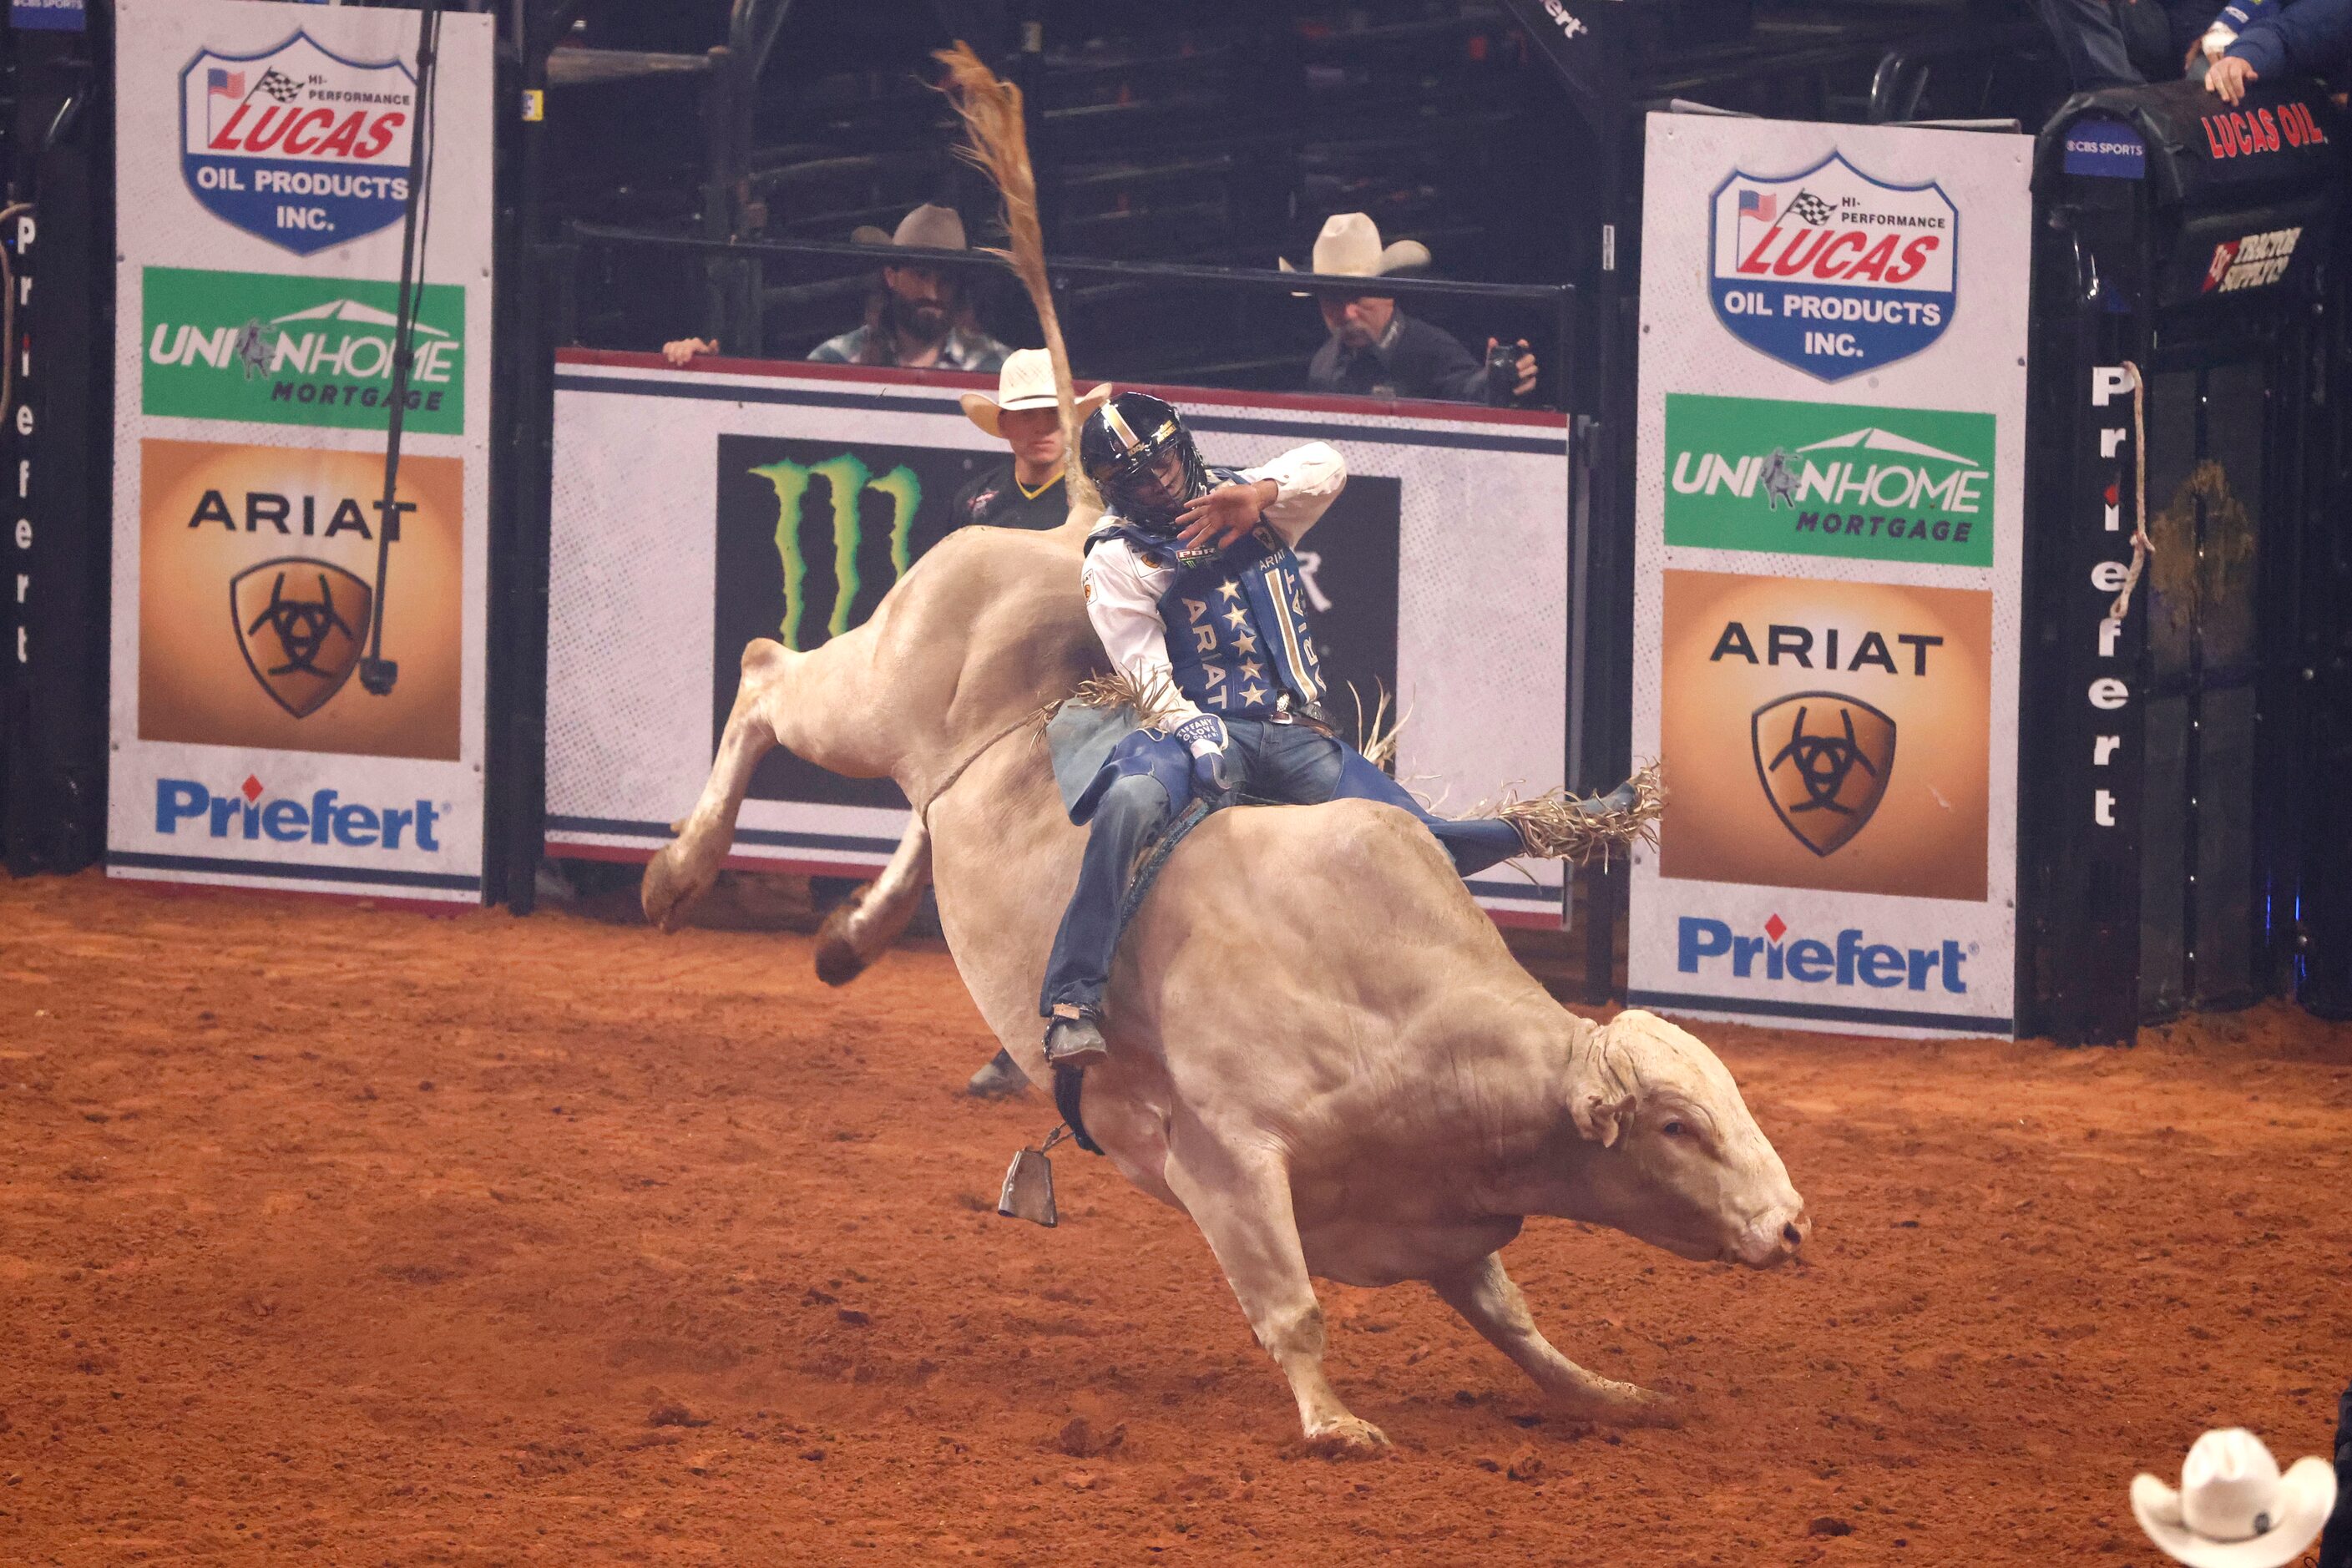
x=1942, y=472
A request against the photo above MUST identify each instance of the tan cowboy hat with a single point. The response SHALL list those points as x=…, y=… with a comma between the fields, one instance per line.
x=2233, y=1509
x=1349, y=246
x=931, y=226
x=1025, y=382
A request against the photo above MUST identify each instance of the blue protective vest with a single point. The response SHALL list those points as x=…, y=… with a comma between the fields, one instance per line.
x=1236, y=620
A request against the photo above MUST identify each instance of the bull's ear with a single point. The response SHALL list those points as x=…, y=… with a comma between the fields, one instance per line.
x=1601, y=1118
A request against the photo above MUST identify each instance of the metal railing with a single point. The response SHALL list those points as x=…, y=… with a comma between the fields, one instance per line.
x=738, y=293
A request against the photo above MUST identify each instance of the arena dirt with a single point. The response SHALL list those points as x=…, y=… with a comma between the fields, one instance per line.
x=331, y=1235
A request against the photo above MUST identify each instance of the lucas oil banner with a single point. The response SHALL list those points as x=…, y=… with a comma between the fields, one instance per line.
x=1828, y=537
x=790, y=501
x=298, y=666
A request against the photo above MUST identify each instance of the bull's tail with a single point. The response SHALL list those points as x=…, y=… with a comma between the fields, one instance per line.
x=857, y=933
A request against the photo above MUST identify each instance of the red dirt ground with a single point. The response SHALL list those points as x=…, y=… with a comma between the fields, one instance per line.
x=331, y=1235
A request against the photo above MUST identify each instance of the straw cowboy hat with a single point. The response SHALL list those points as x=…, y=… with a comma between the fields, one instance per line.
x=1349, y=246
x=931, y=226
x=1025, y=382
x=2233, y=1509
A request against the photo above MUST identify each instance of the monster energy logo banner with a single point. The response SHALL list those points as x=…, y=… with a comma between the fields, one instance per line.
x=811, y=535
x=1811, y=479
x=846, y=484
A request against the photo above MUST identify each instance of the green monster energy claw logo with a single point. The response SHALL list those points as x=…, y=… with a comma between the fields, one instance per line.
x=849, y=480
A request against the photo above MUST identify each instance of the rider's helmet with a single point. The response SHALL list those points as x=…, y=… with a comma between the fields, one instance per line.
x=1140, y=456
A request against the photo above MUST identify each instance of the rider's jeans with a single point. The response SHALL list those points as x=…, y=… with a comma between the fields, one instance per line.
x=1272, y=764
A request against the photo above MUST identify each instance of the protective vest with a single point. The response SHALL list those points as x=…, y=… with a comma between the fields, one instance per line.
x=1237, y=634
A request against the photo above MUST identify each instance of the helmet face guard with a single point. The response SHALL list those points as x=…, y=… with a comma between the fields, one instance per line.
x=1140, y=456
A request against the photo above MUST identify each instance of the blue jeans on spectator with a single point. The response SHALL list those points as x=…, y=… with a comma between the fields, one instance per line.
x=1273, y=764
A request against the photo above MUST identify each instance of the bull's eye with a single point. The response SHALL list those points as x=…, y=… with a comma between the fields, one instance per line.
x=1674, y=1130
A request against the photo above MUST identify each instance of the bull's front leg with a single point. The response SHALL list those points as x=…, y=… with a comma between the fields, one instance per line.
x=1491, y=1303
x=687, y=866
x=1242, y=1204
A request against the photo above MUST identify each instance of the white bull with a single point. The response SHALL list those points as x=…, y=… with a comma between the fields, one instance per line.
x=1320, y=1048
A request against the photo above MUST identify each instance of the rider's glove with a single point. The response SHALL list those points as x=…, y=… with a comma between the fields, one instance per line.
x=1204, y=737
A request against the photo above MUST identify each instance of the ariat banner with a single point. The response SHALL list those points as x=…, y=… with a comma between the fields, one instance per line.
x=1828, y=516
x=297, y=664
x=788, y=501
x=263, y=594
x=274, y=350
x=1827, y=735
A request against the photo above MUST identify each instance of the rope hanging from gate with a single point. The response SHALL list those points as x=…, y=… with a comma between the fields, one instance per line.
x=2142, y=546
x=377, y=673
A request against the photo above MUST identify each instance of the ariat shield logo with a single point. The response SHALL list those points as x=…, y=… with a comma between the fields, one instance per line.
x=1824, y=759
x=837, y=510
x=301, y=625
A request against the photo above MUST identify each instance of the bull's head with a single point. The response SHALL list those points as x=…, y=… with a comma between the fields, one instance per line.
x=1679, y=1161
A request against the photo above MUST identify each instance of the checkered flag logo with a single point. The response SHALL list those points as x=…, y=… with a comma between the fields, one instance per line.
x=1807, y=207
x=280, y=85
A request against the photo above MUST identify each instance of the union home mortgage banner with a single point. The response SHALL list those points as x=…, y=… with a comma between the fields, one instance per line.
x=1829, y=518
x=297, y=671
x=696, y=509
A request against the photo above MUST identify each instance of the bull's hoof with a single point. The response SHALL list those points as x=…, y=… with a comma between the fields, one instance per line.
x=1347, y=1438
x=838, y=961
x=1002, y=1076
x=671, y=888
x=1619, y=1404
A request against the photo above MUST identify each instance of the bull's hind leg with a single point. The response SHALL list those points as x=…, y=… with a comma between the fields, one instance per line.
x=1242, y=1204
x=860, y=929
x=1492, y=1304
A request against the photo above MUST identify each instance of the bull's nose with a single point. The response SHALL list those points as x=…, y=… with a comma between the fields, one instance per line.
x=1793, y=1233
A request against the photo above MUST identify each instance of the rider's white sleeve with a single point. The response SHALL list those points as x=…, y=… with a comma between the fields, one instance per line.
x=1310, y=479
x=1123, y=601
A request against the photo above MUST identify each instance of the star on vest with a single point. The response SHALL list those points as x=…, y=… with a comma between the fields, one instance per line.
x=1238, y=643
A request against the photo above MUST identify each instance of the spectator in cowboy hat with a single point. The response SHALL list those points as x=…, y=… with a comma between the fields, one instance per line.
x=2234, y=1510
x=914, y=318
x=1378, y=351
x=1027, y=491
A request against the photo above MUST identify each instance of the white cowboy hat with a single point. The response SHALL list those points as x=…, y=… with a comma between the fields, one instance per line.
x=931, y=227
x=2233, y=1509
x=1349, y=246
x=1025, y=382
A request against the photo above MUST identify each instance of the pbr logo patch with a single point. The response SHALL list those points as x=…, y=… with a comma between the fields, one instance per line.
x=1832, y=271
x=1824, y=759
x=297, y=145
x=301, y=625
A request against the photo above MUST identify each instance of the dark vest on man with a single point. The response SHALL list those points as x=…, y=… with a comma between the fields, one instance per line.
x=1238, y=641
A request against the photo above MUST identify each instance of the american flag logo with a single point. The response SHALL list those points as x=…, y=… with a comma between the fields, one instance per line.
x=1810, y=208
x=280, y=85
x=219, y=83
x=1758, y=205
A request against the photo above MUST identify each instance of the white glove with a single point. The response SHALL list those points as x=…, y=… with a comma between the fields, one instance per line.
x=1204, y=736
